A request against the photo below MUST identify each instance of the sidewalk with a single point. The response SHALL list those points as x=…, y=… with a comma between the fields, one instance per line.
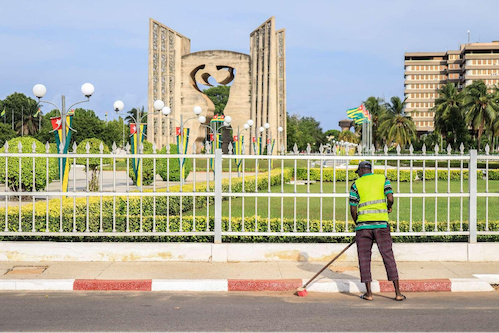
x=342, y=276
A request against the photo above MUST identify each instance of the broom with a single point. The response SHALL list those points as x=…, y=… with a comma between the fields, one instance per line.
x=302, y=291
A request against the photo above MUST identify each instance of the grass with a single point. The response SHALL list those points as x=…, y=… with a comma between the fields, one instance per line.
x=311, y=206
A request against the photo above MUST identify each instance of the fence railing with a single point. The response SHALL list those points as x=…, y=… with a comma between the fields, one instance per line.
x=226, y=195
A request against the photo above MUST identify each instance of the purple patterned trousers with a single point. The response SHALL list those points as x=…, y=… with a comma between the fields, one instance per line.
x=364, y=241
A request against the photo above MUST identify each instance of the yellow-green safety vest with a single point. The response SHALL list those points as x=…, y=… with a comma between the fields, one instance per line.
x=372, y=205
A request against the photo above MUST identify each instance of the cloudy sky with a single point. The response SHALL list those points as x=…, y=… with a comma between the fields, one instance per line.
x=338, y=52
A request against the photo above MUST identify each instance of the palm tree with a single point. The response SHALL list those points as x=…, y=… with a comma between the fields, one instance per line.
x=395, y=126
x=449, y=116
x=481, y=108
x=134, y=113
x=29, y=124
x=348, y=136
x=376, y=106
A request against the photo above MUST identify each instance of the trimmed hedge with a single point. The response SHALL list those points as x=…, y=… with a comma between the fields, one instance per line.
x=164, y=206
x=26, y=181
x=173, y=165
x=328, y=174
x=172, y=224
x=405, y=175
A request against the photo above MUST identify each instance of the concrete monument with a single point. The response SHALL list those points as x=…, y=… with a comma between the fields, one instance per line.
x=258, y=85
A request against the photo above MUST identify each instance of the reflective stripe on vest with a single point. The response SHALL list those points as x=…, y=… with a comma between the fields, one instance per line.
x=375, y=211
x=372, y=205
x=372, y=202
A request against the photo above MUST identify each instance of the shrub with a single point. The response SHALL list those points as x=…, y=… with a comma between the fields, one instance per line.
x=341, y=175
x=172, y=165
x=493, y=175
x=94, y=162
x=443, y=174
x=24, y=181
x=147, y=166
x=165, y=207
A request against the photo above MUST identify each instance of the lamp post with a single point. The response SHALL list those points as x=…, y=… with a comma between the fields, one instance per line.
x=118, y=107
x=39, y=91
x=215, y=131
x=197, y=110
x=266, y=127
x=246, y=127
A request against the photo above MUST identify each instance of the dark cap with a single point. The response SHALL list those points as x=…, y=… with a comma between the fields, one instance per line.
x=364, y=164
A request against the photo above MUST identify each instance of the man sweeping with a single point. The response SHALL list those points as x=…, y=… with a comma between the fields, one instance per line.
x=371, y=199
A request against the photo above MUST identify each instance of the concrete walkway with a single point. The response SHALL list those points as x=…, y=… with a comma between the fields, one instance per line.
x=202, y=276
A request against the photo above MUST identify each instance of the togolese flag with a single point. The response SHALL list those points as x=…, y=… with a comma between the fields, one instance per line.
x=63, y=162
x=136, y=142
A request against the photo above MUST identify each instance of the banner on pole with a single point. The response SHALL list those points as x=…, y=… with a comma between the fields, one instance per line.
x=136, y=142
x=238, y=149
x=182, y=145
x=64, y=162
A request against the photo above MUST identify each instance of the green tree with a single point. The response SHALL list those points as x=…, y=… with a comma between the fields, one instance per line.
x=113, y=132
x=219, y=95
x=332, y=134
x=20, y=110
x=395, y=125
x=304, y=131
x=87, y=125
x=134, y=114
x=310, y=133
x=481, y=107
x=292, y=130
x=348, y=136
x=449, y=115
x=6, y=133
x=44, y=135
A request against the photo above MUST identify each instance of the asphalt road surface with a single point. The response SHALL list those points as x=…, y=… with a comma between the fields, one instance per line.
x=161, y=311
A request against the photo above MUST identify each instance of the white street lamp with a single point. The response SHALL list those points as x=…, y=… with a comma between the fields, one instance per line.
x=39, y=91
x=158, y=105
x=166, y=111
x=118, y=106
x=197, y=110
x=87, y=89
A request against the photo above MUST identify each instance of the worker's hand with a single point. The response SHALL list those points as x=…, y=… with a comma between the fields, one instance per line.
x=389, y=210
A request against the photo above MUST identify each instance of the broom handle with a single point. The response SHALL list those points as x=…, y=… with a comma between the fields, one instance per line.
x=329, y=263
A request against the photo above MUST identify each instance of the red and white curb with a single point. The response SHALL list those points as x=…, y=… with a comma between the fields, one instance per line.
x=324, y=285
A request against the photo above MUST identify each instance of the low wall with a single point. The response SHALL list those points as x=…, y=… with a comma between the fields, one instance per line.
x=54, y=251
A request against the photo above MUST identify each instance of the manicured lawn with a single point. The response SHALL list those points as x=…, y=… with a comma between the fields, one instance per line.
x=311, y=206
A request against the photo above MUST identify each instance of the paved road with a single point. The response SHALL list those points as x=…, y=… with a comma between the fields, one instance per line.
x=147, y=311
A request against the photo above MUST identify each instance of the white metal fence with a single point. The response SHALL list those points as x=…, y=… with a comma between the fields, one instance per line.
x=291, y=195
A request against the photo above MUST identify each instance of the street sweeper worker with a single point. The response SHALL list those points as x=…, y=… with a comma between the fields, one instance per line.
x=371, y=199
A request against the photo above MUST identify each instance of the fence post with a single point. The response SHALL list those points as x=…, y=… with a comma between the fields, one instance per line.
x=218, y=196
x=472, y=181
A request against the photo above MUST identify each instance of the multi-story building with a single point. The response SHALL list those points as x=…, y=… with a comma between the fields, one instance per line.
x=426, y=72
